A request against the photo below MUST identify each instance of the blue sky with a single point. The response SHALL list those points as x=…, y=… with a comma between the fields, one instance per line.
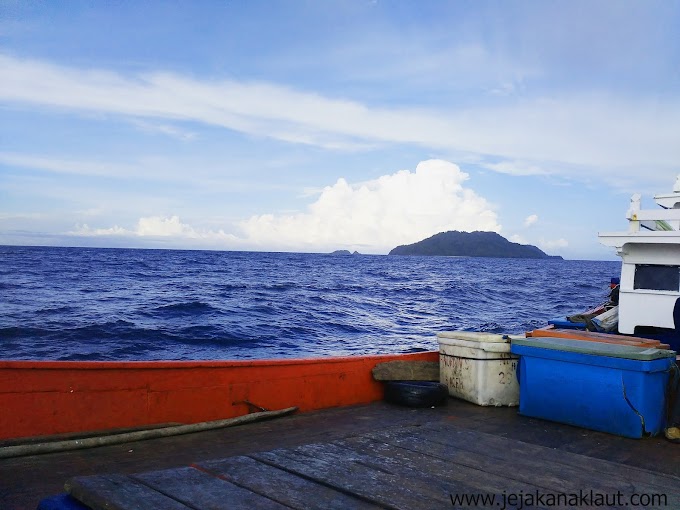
x=320, y=125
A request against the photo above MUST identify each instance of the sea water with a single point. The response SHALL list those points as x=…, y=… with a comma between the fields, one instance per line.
x=130, y=304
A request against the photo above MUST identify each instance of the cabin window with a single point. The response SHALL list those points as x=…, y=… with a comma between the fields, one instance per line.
x=656, y=277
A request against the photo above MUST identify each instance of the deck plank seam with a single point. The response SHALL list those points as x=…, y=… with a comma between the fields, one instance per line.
x=653, y=480
x=227, y=479
x=441, y=458
x=673, y=496
x=442, y=483
x=587, y=460
x=322, y=482
x=444, y=428
x=80, y=490
x=505, y=475
x=143, y=482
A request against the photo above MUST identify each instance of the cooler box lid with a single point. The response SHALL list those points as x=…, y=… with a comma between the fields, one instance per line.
x=473, y=336
x=595, y=348
x=488, y=342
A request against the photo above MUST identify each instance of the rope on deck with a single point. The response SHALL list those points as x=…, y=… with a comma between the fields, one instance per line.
x=92, y=442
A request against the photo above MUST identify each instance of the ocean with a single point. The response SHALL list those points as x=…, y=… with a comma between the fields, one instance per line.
x=133, y=304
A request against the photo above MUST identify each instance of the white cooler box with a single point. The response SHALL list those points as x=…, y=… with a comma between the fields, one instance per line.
x=478, y=367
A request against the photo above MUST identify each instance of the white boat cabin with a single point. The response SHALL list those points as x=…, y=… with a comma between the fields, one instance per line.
x=650, y=252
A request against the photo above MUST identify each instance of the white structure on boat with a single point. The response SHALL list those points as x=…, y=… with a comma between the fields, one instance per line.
x=650, y=251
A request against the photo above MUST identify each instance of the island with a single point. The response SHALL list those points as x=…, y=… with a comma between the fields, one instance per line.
x=344, y=252
x=471, y=244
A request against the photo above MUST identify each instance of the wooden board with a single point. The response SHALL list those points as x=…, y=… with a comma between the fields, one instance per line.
x=376, y=456
x=198, y=489
x=521, y=453
x=414, y=471
x=119, y=492
x=407, y=467
x=592, y=336
x=283, y=486
x=548, y=469
x=377, y=484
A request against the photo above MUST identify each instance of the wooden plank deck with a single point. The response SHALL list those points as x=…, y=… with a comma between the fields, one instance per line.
x=376, y=456
x=399, y=468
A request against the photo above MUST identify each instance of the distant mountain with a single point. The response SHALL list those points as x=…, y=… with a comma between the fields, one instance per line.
x=471, y=244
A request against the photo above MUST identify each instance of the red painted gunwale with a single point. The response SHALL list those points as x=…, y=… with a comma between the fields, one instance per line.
x=52, y=397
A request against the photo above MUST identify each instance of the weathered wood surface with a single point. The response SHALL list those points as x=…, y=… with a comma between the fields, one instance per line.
x=461, y=437
x=406, y=371
x=119, y=492
x=286, y=487
x=199, y=489
x=391, y=477
x=505, y=455
x=397, y=468
x=382, y=486
x=537, y=467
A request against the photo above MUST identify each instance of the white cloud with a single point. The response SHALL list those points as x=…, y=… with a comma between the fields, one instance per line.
x=548, y=245
x=22, y=216
x=575, y=134
x=159, y=226
x=164, y=129
x=86, y=230
x=68, y=166
x=515, y=168
x=195, y=172
x=544, y=244
x=516, y=238
x=156, y=226
x=530, y=220
x=371, y=216
x=427, y=62
x=377, y=215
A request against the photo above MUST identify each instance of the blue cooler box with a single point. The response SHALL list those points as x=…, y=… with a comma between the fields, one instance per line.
x=612, y=388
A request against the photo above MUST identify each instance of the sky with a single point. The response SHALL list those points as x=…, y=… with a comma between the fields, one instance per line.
x=314, y=126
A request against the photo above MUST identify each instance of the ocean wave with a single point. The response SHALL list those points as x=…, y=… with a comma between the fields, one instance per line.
x=9, y=285
x=151, y=304
x=182, y=308
x=54, y=310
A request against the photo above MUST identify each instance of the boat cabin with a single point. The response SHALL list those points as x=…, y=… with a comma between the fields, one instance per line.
x=650, y=273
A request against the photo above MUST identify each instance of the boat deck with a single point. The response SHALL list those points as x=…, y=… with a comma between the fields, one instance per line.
x=373, y=456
